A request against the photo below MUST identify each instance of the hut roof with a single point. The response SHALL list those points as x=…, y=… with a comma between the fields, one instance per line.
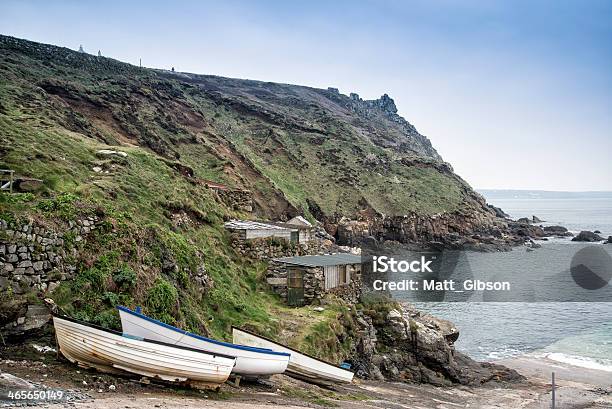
x=252, y=225
x=323, y=260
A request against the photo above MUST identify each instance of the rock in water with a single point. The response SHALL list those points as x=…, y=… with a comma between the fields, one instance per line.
x=536, y=219
x=587, y=236
x=524, y=220
x=556, y=231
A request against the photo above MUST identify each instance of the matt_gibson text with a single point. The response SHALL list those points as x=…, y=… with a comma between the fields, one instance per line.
x=441, y=285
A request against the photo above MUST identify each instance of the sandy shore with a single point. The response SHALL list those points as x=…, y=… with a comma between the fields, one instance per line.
x=577, y=388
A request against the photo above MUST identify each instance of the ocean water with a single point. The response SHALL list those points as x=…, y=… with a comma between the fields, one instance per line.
x=577, y=333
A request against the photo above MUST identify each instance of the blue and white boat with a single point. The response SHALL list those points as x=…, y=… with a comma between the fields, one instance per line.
x=250, y=361
x=108, y=351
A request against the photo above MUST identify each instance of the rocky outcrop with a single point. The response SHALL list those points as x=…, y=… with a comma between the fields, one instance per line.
x=406, y=345
x=558, y=231
x=457, y=230
x=526, y=230
x=498, y=212
x=409, y=140
x=587, y=236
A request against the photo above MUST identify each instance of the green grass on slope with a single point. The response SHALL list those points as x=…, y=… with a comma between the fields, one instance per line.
x=337, y=180
x=134, y=200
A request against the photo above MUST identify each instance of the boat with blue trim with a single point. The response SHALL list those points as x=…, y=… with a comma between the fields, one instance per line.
x=250, y=361
x=108, y=351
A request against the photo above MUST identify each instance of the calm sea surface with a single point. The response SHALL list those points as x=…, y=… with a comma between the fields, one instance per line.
x=579, y=333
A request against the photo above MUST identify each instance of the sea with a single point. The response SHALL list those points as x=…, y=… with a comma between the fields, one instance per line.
x=576, y=333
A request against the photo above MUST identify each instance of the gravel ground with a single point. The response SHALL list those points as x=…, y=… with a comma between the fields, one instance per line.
x=24, y=368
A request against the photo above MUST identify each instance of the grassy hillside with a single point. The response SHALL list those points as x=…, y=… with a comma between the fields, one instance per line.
x=298, y=149
x=57, y=109
x=313, y=148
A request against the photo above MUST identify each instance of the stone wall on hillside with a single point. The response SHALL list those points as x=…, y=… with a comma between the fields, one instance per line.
x=273, y=247
x=236, y=199
x=35, y=259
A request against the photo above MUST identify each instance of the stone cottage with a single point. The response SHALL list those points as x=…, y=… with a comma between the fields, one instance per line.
x=302, y=280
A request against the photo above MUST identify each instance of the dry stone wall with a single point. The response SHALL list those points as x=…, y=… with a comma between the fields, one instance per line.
x=237, y=199
x=35, y=259
x=272, y=247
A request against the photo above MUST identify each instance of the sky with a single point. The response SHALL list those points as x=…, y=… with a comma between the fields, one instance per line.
x=514, y=94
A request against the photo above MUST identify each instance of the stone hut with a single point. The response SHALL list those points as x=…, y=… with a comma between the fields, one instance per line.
x=302, y=280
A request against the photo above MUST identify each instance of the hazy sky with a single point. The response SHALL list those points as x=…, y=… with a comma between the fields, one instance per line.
x=513, y=94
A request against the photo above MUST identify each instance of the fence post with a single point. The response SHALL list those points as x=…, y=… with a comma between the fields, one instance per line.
x=553, y=390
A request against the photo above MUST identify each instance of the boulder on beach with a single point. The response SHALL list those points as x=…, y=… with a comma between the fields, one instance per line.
x=609, y=241
x=524, y=220
x=587, y=236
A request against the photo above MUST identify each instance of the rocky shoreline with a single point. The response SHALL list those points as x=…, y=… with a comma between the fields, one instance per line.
x=466, y=231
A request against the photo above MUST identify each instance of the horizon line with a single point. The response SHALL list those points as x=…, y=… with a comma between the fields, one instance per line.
x=540, y=190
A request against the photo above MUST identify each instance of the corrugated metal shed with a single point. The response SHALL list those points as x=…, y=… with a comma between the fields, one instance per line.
x=251, y=225
x=293, y=227
x=324, y=260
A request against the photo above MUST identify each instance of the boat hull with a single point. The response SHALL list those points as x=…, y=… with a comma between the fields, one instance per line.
x=249, y=361
x=108, y=351
x=300, y=366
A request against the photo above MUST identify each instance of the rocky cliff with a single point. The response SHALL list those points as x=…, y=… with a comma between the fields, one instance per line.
x=399, y=343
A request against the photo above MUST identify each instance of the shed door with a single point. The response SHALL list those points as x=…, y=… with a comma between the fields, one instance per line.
x=295, y=287
x=331, y=277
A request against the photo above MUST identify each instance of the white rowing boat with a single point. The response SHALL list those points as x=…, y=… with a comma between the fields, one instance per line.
x=109, y=351
x=300, y=366
x=250, y=361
